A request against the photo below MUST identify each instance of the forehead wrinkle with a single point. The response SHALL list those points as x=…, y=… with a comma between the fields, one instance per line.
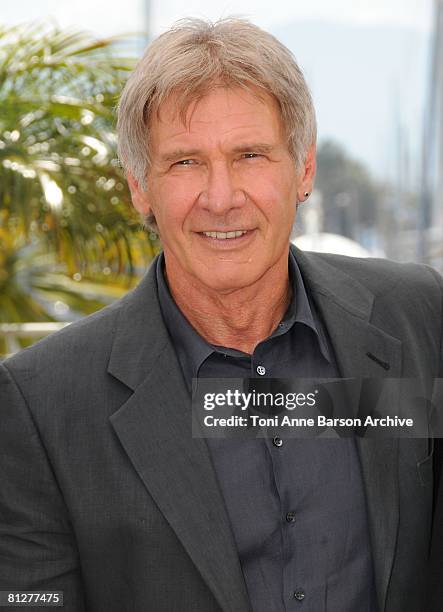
x=216, y=120
x=253, y=126
x=257, y=137
x=214, y=116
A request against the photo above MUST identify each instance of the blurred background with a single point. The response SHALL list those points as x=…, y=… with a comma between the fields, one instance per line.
x=70, y=241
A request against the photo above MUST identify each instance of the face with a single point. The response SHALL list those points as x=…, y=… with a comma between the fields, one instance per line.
x=223, y=189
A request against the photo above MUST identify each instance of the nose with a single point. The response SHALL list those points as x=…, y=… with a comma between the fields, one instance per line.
x=221, y=193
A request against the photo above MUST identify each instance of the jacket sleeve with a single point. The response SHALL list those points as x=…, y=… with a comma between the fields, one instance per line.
x=38, y=551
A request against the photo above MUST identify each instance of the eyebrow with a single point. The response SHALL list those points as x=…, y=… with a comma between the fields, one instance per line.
x=179, y=154
x=257, y=147
x=254, y=147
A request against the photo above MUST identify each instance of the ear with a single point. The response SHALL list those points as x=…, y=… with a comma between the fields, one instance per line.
x=140, y=198
x=307, y=174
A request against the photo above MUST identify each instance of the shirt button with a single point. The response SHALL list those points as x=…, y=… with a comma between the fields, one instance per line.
x=276, y=441
x=261, y=370
x=290, y=516
x=299, y=595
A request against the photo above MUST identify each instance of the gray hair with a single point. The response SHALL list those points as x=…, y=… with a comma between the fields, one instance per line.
x=188, y=59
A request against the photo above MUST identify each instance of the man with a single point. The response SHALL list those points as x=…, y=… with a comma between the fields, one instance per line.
x=105, y=493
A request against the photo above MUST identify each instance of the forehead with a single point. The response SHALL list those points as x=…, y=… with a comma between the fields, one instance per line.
x=223, y=108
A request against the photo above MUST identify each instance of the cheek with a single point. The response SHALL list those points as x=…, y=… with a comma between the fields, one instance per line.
x=173, y=201
x=275, y=199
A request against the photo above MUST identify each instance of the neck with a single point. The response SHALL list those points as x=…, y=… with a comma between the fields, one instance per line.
x=238, y=318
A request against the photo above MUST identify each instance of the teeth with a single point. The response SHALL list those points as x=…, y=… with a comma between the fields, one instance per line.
x=224, y=235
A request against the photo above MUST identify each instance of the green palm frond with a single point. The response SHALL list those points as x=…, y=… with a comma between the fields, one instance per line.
x=62, y=191
x=58, y=166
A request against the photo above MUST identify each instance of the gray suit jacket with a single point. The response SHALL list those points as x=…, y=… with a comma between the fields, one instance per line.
x=105, y=494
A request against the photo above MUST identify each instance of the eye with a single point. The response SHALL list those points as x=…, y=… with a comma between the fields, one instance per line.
x=250, y=155
x=184, y=162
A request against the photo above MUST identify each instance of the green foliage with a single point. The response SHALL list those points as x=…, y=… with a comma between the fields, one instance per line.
x=62, y=192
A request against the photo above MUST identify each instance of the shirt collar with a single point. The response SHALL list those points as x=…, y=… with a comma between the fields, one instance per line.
x=192, y=350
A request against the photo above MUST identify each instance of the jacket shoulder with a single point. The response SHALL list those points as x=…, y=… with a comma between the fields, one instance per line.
x=383, y=276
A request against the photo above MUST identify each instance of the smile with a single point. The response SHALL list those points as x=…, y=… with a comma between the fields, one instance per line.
x=225, y=235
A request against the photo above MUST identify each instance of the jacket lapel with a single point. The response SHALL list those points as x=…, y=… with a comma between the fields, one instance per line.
x=155, y=428
x=345, y=307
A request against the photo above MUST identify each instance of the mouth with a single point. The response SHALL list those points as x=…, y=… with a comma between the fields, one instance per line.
x=229, y=240
x=230, y=235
